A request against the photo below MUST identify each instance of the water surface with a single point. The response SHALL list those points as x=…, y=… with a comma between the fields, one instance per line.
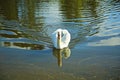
x=26, y=49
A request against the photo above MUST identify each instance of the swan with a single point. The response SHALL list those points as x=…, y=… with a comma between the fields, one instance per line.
x=61, y=38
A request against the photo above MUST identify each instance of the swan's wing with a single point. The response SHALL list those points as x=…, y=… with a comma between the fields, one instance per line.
x=54, y=38
x=66, y=37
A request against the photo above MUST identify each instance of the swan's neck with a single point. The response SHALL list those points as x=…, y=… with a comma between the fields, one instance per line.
x=58, y=40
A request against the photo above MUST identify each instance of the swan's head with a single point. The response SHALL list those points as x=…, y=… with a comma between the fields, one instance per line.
x=58, y=35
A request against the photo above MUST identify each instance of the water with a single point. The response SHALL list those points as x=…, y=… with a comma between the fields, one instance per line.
x=26, y=49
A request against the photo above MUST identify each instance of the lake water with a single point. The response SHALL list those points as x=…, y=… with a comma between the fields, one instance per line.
x=26, y=49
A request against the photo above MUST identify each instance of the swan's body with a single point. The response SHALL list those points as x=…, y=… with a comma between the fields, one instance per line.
x=61, y=38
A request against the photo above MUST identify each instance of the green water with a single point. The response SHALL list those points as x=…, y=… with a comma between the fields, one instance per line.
x=26, y=49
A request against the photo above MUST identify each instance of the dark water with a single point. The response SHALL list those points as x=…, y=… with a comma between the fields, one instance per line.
x=26, y=50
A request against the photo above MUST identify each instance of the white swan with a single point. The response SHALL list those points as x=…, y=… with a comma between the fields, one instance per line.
x=61, y=38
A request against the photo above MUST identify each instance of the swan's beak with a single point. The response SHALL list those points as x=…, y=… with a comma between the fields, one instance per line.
x=58, y=35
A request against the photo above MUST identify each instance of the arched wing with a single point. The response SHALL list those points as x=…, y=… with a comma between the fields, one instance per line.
x=66, y=37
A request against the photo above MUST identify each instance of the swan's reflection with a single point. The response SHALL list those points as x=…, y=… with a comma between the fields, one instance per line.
x=60, y=53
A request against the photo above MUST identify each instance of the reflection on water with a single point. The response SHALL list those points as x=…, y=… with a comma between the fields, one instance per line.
x=114, y=41
x=21, y=45
x=36, y=19
x=28, y=24
x=60, y=54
